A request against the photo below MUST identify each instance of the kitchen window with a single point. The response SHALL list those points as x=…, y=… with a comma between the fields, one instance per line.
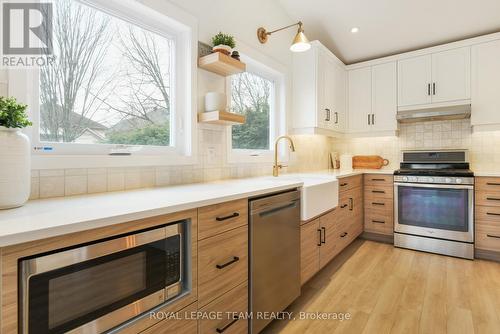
x=256, y=94
x=121, y=82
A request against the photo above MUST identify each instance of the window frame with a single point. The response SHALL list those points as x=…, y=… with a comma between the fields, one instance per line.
x=179, y=26
x=275, y=74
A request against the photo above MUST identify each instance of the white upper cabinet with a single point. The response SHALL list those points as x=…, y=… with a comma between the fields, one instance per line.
x=451, y=75
x=372, y=99
x=434, y=80
x=319, y=89
x=414, y=81
x=360, y=99
x=486, y=84
x=384, y=97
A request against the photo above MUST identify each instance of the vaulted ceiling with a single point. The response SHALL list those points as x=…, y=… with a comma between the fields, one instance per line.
x=391, y=26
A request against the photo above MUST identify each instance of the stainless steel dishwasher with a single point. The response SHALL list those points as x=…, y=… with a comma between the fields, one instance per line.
x=274, y=255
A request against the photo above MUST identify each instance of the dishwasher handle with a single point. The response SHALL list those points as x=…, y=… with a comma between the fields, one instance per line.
x=278, y=208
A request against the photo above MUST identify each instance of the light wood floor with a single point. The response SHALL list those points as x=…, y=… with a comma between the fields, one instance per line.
x=392, y=290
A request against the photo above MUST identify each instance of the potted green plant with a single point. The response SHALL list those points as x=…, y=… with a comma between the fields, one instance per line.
x=15, y=154
x=223, y=43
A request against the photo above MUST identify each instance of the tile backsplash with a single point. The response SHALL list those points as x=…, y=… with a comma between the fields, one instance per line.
x=484, y=147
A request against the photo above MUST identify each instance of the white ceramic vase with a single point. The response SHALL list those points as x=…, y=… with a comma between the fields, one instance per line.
x=15, y=168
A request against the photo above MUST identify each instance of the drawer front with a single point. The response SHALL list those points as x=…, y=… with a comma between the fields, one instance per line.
x=381, y=223
x=488, y=237
x=218, y=218
x=351, y=182
x=346, y=231
x=378, y=180
x=384, y=205
x=487, y=184
x=222, y=263
x=379, y=191
x=487, y=198
x=182, y=323
x=489, y=215
x=234, y=301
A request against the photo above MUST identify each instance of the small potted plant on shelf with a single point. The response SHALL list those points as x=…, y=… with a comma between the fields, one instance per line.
x=223, y=43
x=15, y=154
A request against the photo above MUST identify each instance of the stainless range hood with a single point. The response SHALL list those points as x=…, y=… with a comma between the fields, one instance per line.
x=434, y=114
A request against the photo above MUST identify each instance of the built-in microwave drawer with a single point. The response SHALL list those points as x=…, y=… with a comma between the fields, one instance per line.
x=94, y=287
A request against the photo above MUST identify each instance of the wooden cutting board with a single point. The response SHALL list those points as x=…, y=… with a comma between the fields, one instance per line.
x=368, y=162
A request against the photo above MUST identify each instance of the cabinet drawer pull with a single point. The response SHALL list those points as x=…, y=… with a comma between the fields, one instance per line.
x=492, y=214
x=378, y=221
x=493, y=184
x=381, y=180
x=378, y=191
x=343, y=184
x=223, y=329
x=351, y=204
x=222, y=266
x=493, y=236
x=324, y=235
x=234, y=215
x=492, y=199
x=376, y=203
x=343, y=206
x=343, y=235
x=320, y=237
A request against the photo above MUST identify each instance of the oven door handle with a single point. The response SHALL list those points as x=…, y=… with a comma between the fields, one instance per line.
x=432, y=185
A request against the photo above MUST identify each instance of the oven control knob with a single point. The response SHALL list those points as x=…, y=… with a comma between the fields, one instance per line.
x=458, y=180
x=405, y=179
x=447, y=180
x=430, y=180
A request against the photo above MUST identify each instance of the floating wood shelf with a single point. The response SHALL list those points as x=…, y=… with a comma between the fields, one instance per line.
x=221, y=117
x=221, y=64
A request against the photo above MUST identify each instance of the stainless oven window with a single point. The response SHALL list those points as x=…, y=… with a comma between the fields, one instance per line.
x=437, y=208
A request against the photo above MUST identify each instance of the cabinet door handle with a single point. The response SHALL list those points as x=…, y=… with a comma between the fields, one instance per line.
x=234, y=215
x=373, y=119
x=493, y=184
x=336, y=117
x=324, y=235
x=429, y=89
x=223, y=329
x=378, y=221
x=327, y=115
x=222, y=266
x=320, y=237
x=351, y=204
x=369, y=119
x=376, y=203
x=492, y=214
x=493, y=236
x=433, y=88
x=343, y=235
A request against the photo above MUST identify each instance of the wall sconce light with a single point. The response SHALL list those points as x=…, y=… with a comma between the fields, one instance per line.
x=300, y=42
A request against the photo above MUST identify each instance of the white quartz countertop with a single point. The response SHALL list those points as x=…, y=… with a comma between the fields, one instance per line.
x=487, y=173
x=40, y=219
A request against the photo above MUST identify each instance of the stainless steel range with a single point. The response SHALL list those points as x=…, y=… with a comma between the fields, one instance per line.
x=434, y=203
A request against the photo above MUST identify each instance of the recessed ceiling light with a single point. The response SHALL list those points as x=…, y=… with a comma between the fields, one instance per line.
x=354, y=30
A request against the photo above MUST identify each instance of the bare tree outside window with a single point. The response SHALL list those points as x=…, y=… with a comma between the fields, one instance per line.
x=110, y=84
x=251, y=96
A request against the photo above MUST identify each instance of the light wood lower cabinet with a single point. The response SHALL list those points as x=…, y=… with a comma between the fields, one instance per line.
x=379, y=204
x=325, y=237
x=222, y=263
x=487, y=216
x=183, y=322
x=309, y=250
x=232, y=306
